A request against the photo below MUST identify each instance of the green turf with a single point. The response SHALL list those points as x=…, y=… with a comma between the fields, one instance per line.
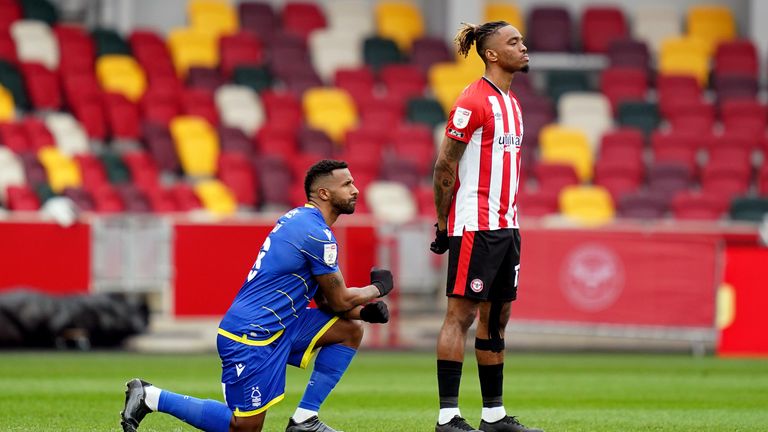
x=397, y=391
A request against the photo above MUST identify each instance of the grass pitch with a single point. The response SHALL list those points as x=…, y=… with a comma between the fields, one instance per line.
x=386, y=392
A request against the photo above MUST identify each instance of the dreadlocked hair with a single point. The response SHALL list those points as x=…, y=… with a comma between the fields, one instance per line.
x=477, y=34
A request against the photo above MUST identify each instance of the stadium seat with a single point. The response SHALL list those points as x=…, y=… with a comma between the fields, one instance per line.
x=152, y=54
x=239, y=49
x=729, y=86
x=390, y=202
x=197, y=145
x=258, y=78
x=725, y=180
x=427, y=51
x=653, y=23
x=62, y=170
x=161, y=147
x=711, y=23
x=7, y=107
x=239, y=107
x=675, y=89
x=622, y=144
x=68, y=134
x=143, y=170
x=82, y=199
x=333, y=49
x=668, y=178
x=235, y=171
x=698, y=206
x=680, y=147
x=618, y=177
x=259, y=18
x=749, y=116
x=559, y=82
x=643, y=205
x=35, y=43
x=629, y=53
x=277, y=142
x=426, y=111
x=107, y=200
x=553, y=176
x=42, y=86
x=303, y=18
x=122, y=116
x=685, y=56
x=448, y=80
x=92, y=171
x=359, y=82
x=7, y=44
x=108, y=41
x=234, y=140
x=11, y=172
x=691, y=115
x=601, y=25
x=587, y=205
x=216, y=197
x=283, y=109
x=11, y=79
x=762, y=181
x=41, y=10
x=190, y=47
x=77, y=46
x=204, y=78
x=404, y=80
x=620, y=84
x=21, y=198
x=567, y=145
x=33, y=170
x=400, y=21
x=509, y=12
x=749, y=209
x=643, y=116
x=10, y=11
x=380, y=51
x=330, y=110
x=404, y=171
x=121, y=74
x=537, y=203
x=315, y=143
x=550, y=29
x=218, y=18
x=201, y=103
x=736, y=57
x=275, y=177
x=589, y=111
x=413, y=142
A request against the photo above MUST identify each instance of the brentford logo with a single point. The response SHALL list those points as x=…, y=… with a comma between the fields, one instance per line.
x=476, y=285
x=592, y=277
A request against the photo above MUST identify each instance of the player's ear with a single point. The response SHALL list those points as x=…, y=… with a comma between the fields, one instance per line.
x=491, y=55
x=323, y=193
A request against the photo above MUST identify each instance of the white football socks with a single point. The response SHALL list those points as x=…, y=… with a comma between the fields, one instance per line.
x=152, y=397
x=446, y=414
x=492, y=415
x=301, y=415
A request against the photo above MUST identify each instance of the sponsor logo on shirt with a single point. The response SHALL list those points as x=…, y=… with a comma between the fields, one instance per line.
x=329, y=254
x=461, y=117
x=508, y=140
x=454, y=132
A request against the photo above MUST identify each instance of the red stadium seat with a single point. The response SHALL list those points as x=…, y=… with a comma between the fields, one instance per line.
x=698, y=206
x=92, y=171
x=623, y=84
x=675, y=89
x=159, y=106
x=549, y=29
x=204, y=78
x=675, y=147
x=38, y=134
x=21, y=198
x=161, y=147
x=623, y=144
x=693, y=116
x=762, y=181
x=81, y=197
x=13, y=136
x=161, y=200
x=601, y=25
x=669, y=178
x=553, y=177
x=745, y=115
x=736, y=57
x=535, y=203
x=730, y=86
x=240, y=49
x=302, y=18
x=10, y=11
x=152, y=54
x=259, y=18
x=185, y=197
x=122, y=116
x=107, y=200
x=618, y=176
x=143, y=170
x=725, y=180
x=283, y=109
x=7, y=46
x=402, y=171
x=280, y=143
x=235, y=170
x=316, y=143
x=629, y=53
x=134, y=200
x=233, y=139
x=427, y=51
x=276, y=179
x=404, y=80
x=42, y=86
x=76, y=47
x=414, y=142
x=643, y=205
x=199, y=102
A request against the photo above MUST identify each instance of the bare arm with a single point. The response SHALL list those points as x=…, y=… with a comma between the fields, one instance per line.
x=340, y=299
x=444, y=178
x=322, y=303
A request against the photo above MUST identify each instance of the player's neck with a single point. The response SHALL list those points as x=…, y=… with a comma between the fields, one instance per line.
x=499, y=78
x=328, y=213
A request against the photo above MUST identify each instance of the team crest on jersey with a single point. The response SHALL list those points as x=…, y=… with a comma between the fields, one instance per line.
x=461, y=117
x=476, y=285
x=329, y=253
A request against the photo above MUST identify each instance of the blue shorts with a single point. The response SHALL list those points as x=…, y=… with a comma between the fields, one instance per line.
x=253, y=372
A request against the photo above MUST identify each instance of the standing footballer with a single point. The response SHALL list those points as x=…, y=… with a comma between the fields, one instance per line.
x=475, y=185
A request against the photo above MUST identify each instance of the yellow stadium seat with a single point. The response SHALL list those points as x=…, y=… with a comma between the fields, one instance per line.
x=448, y=80
x=330, y=110
x=588, y=205
x=62, y=171
x=190, y=47
x=217, y=17
x=399, y=21
x=7, y=107
x=121, y=74
x=196, y=144
x=508, y=12
x=711, y=23
x=567, y=145
x=216, y=197
x=685, y=56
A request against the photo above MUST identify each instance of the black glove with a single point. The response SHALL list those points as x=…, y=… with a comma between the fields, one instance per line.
x=376, y=313
x=440, y=245
x=382, y=279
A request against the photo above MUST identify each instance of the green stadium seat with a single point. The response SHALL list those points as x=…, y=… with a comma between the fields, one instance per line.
x=41, y=10
x=378, y=52
x=117, y=171
x=43, y=192
x=639, y=115
x=425, y=110
x=256, y=77
x=563, y=81
x=108, y=41
x=750, y=209
x=11, y=79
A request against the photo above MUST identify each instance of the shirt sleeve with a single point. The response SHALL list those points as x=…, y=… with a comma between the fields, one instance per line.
x=321, y=250
x=465, y=117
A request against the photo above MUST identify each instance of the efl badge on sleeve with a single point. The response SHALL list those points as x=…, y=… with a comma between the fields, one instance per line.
x=329, y=254
x=461, y=117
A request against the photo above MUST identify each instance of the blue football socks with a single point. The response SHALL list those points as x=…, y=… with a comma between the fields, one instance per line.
x=208, y=415
x=330, y=364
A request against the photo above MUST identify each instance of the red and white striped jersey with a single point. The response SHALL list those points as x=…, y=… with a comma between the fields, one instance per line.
x=490, y=122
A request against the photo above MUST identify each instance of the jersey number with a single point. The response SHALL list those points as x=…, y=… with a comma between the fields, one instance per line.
x=257, y=265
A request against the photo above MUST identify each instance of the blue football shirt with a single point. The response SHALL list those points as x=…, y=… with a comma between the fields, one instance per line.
x=281, y=284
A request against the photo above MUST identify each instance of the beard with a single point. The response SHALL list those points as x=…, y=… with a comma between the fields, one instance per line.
x=343, y=207
x=525, y=69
